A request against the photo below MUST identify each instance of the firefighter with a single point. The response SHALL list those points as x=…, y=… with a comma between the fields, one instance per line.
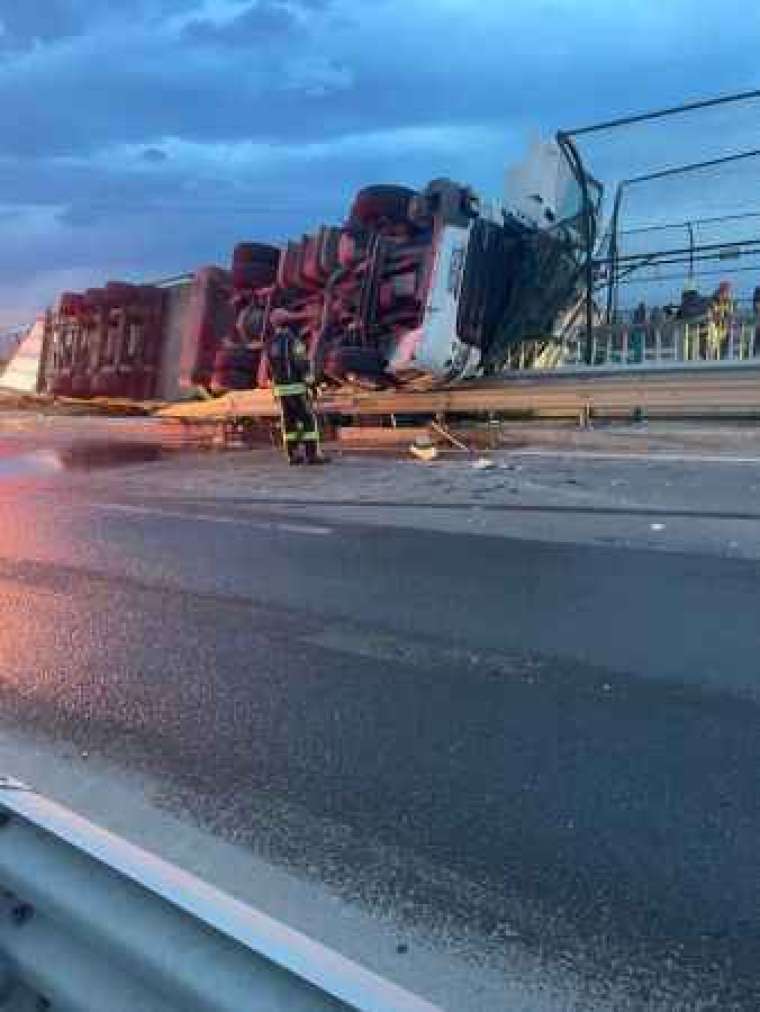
x=721, y=314
x=289, y=369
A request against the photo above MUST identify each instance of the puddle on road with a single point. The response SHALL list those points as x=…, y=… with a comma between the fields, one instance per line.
x=84, y=456
x=27, y=465
x=91, y=455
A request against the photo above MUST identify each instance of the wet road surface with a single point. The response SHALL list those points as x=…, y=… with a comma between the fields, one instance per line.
x=552, y=746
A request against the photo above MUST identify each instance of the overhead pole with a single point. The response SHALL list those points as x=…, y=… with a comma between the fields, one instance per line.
x=674, y=110
x=668, y=226
x=566, y=141
x=690, y=227
x=568, y=146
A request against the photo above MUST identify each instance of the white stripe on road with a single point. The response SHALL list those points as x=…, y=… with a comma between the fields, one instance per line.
x=303, y=529
x=654, y=456
x=152, y=511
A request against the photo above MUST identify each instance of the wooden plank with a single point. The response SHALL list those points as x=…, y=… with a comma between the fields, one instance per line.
x=240, y=404
x=379, y=436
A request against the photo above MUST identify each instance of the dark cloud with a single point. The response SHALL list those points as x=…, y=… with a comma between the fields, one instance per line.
x=202, y=84
x=29, y=22
x=118, y=119
x=154, y=155
x=261, y=20
x=25, y=23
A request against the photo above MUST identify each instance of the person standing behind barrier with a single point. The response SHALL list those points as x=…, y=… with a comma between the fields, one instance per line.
x=693, y=311
x=289, y=369
x=637, y=341
x=756, y=321
x=721, y=317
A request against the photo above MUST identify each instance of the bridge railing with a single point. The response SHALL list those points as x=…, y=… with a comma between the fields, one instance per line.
x=636, y=344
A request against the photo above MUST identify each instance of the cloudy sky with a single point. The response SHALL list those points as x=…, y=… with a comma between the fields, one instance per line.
x=141, y=138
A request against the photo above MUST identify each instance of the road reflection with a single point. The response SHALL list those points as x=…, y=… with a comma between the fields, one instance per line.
x=16, y=463
x=101, y=453
x=26, y=465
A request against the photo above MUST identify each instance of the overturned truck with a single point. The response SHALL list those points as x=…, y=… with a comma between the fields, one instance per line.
x=417, y=288
x=421, y=287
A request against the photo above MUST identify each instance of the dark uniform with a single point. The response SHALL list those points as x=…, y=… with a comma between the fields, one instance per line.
x=289, y=367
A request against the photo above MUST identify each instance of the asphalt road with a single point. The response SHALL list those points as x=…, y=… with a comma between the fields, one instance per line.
x=552, y=746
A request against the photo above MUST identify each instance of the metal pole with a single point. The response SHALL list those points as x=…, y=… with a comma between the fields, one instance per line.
x=572, y=154
x=735, y=245
x=755, y=268
x=741, y=96
x=613, y=254
x=670, y=225
x=677, y=170
x=691, y=253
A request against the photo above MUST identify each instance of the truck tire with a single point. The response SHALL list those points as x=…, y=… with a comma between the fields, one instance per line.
x=232, y=380
x=383, y=202
x=245, y=359
x=236, y=356
x=353, y=246
x=235, y=368
x=289, y=269
x=137, y=384
x=256, y=274
x=329, y=244
x=343, y=363
x=80, y=385
x=255, y=253
x=105, y=384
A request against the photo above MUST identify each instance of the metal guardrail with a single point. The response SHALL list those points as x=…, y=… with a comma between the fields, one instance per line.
x=91, y=922
x=695, y=391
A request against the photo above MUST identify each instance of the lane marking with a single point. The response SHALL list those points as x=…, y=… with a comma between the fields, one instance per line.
x=303, y=528
x=271, y=525
x=681, y=458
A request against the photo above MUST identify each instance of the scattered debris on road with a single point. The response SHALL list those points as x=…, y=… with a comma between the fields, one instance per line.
x=425, y=451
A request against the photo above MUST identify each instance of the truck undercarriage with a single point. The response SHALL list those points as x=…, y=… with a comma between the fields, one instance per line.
x=417, y=287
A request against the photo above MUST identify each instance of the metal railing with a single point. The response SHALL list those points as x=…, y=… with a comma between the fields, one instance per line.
x=91, y=922
x=636, y=344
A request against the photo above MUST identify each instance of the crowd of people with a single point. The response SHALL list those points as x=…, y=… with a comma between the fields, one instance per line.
x=709, y=322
